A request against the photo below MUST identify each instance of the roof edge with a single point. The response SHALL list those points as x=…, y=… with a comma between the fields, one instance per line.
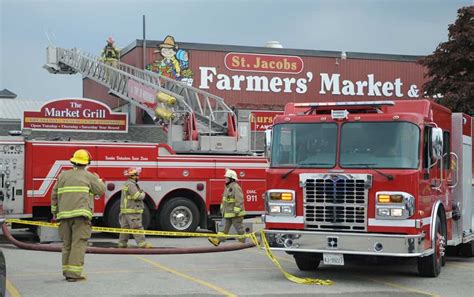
x=277, y=51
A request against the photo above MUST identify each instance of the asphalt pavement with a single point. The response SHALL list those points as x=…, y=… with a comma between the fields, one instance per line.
x=239, y=273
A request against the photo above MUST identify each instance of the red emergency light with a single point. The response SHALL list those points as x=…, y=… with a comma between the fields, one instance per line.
x=345, y=104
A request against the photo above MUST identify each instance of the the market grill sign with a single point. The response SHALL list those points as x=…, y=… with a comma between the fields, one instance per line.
x=77, y=115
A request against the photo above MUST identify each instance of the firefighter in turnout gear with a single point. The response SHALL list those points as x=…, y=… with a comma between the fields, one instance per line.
x=232, y=207
x=110, y=54
x=72, y=202
x=131, y=209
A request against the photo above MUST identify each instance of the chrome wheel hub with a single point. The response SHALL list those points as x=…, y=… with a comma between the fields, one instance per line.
x=181, y=218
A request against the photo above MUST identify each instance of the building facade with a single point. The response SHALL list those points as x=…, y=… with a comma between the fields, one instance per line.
x=263, y=78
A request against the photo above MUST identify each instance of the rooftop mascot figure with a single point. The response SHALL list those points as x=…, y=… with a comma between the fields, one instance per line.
x=174, y=63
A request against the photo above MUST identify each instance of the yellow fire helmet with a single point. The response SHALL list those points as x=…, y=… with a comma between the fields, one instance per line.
x=132, y=171
x=231, y=174
x=81, y=157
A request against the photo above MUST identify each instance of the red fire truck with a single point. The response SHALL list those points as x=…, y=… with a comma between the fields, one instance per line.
x=183, y=191
x=378, y=178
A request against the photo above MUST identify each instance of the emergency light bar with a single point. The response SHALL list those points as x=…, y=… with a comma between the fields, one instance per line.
x=347, y=103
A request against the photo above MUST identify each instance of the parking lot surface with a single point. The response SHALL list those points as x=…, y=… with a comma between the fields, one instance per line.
x=239, y=273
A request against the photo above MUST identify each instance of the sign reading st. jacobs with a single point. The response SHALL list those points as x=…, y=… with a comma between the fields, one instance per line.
x=76, y=115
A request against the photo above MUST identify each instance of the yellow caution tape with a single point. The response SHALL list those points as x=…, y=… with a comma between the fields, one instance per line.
x=33, y=223
x=252, y=236
x=135, y=231
x=290, y=277
x=254, y=239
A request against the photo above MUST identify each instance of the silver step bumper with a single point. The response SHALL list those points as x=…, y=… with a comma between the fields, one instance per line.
x=348, y=243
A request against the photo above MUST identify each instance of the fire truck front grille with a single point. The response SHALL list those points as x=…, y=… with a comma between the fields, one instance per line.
x=335, y=202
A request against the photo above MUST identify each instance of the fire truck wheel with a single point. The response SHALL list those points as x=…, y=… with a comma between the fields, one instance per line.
x=467, y=249
x=307, y=262
x=452, y=251
x=179, y=214
x=112, y=216
x=430, y=266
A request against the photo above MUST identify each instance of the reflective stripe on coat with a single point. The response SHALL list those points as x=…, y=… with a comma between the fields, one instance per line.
x=73, y=194
x=232, y=201
x=131, y=201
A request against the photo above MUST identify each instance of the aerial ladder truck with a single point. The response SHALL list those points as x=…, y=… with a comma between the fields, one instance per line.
x=183, y=179
x=196, y=121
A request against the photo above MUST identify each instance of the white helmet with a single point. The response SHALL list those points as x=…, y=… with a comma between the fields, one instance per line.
x=231, y=174
x=132, y=171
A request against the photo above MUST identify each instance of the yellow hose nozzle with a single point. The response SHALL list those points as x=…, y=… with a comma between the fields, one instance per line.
x=163, y=113
x=165, y=98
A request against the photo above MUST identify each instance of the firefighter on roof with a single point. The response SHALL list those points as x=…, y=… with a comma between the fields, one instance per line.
x=131, y=209
x=232, y=207
x=110, y=54
x=72, y=203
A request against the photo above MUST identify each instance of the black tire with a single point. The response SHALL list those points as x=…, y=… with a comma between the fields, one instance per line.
x=307, y=262
x=452, y=251
x=211, y=225
x=467, y=249
x=112, y=216
x=430, y=266
x=179, y=214
x=3, y=274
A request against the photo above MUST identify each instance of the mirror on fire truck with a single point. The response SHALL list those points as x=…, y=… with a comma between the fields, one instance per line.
x=453, y=173
x=437, y=143
x=268, y=143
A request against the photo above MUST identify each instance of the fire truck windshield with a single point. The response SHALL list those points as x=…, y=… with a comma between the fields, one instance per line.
x=380, y=144
x=362, y=144
x=304, y=145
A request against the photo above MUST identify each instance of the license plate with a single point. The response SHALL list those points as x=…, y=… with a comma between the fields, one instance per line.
x=333, y=259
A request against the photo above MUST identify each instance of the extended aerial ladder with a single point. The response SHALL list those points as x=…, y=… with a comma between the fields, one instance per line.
x=196, y=121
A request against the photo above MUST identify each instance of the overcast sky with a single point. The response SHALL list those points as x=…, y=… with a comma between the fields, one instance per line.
x=413, y=27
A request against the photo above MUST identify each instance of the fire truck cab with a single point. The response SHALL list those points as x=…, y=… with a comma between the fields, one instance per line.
x=183, y=192
x=374, y=178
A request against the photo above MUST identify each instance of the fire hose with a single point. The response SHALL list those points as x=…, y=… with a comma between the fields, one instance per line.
x=161, y=251
x=128, y=251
